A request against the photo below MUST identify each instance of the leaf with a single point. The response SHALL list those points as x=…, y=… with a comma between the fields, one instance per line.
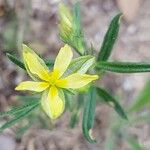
x=15, y=111
x=77, y=35
x=68, y=101
x=49, y=63
x=18, y=117
x=28, y=99
x=69, y=91
x=76, y=111
x=9, y=32
x=110, y=143
x=80, y=64
x=141, y=119
x=109, y=99
x=110, y=38
x=143, y=99
x=135, y=144
x=89, y=114
x=21, y=131
x=16, y=61
x=123, y=67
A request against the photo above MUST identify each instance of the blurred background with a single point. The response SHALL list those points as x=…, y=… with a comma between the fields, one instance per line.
x=35, y=22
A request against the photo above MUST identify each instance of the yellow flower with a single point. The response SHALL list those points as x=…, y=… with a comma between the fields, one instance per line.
x=52, y=83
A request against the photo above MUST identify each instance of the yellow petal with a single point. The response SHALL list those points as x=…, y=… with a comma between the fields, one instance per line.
x=52, y=104
x=32, y=86
x=77, y=80
x=63, y=59
x=35, y=65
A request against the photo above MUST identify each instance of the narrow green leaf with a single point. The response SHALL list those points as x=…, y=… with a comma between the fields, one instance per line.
x=16, y=61
x=27, y=99
x=68, y=101
x=141, y=119
x=77, y=35
x=123, y=67
x=76, y=111
x=110, y=143
x=14, y=111
x=109, y=39
x=77, y=17
x=18, y=117
x=80, y=64
x=69, y=91
x=109, y=99
x=21, y=131
x=89, y=114
x=135, y=144
x=49, y=62
x=143, y=99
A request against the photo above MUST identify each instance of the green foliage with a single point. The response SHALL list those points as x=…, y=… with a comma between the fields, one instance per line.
x=76, y=111
x=16, y=61
x=143, y=99
x=19, y=113
x=109, y=39
x=123, y=67
x=135, y=144
x=89, y=114
x=72, y=34
x=49, y=63
x=17, y=110
x=77, y=37
x=70, y=28
x=68, y=101
x=80, y=64
x=10, y=31
x=141, y=119
x=21, y=131
x=28, y=99
x=109, y=99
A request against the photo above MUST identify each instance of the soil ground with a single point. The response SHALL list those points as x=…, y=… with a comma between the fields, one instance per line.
x=35, y=22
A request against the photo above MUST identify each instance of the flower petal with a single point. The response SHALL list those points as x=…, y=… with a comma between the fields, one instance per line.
x=52, y=104
x=63, y=59
x=35, y=66
x=32, y=86
x=77, y=80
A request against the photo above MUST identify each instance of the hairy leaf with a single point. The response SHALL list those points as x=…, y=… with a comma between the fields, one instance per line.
x=16, y=61
x=18, y=117
x=89, y=114
x=77, y=35
x=109, y=39
x=135, y=144
x=76, y=111
x=143, y=99
x=80, y=64
x=109, y=99
x=14, y=111
x=123, y=67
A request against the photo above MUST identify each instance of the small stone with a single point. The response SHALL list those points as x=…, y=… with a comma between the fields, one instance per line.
x=7, y=143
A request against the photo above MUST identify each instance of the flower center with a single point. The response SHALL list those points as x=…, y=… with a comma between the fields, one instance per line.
x=54, y=77
x=52, y=82
x=56, y=81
